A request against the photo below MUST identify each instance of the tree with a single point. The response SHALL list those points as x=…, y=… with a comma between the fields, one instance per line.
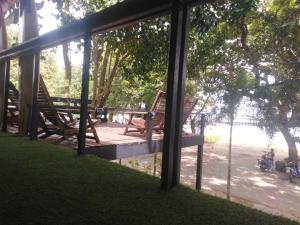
x=108, y=53
x=142, y=71
x=230, y=82
x=271, y=46
x=264, y=40
x=65, y=16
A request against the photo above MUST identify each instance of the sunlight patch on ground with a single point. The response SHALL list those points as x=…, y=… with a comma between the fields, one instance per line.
x=216, y=181
x=260, y=182
x=297, y=188
x=189, y=159
x=271, y=197
x=220, y=157
x=206, y=188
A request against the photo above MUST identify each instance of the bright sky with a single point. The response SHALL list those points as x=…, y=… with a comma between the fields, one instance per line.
x=46, y=19
x=48, y=23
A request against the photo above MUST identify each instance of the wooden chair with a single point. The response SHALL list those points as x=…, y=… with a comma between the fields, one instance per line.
x=13, y=105
x=157, y=110
x=55, y=124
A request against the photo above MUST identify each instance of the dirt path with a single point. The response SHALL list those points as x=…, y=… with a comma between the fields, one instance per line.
x=271, y=191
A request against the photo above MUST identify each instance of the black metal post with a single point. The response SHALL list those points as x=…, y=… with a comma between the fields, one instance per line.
x=84, y=93
x=149, y=125
x=6, y=90
x=181, y=93
x=34, y=106
x=200, y=156
x=175, y=91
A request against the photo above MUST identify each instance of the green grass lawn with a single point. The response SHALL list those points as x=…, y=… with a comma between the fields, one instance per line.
x=43, y=184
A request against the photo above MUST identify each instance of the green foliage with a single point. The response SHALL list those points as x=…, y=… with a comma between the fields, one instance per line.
x=253, y=52
x=143, y=73
x=53, y=75
x=211, y=138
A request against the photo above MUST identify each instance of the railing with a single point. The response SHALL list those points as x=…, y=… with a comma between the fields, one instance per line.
x=117, y=16
x=120, y=15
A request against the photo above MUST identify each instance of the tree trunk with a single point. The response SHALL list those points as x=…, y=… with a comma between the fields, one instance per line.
x=96, y=55
x=103, y=74
x=106, y=89
x=198, y=115
x=293, y=153
x=28, y=29
x=284, y=121
x=3, y=45
x=193, y=125
x=68, y=69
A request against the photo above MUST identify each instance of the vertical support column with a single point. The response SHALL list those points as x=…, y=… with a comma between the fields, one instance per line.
x=181, y=93
x=175, y=95
x=28, y=28
x=33, y=123
x=6, y=90
x=149, y=126
x=3, y=45
x=200, y=156
x=84, y=93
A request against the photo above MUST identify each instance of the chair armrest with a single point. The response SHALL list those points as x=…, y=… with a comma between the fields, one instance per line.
x=136, y=112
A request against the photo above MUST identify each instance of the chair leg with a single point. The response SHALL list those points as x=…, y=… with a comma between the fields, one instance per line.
x=44, y=136
x=127, y=126
x=58, y=141
x=94, y=131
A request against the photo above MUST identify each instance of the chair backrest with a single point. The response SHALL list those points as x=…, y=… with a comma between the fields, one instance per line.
x=159, y=105
x=13, y=95
x=189, y=105
x=46, y=106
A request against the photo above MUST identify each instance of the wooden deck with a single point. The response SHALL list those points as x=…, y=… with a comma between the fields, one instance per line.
x=115, y=145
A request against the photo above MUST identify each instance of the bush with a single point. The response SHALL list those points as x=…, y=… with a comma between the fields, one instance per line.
x=211, y=138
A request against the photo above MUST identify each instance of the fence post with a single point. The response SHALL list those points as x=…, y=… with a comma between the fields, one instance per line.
x=200, y=156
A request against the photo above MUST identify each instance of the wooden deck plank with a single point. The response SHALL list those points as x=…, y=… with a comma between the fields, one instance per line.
x=121, y=146
x=115, y=145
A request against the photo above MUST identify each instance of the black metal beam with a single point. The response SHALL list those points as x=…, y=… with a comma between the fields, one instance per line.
x=84, y=93
x=34, y=105
x=5, y=97
x=117, y=16
x=181, y=93
x=175, y=91
x=200, y=156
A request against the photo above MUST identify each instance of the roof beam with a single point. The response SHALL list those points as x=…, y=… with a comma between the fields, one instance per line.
x=117, y=16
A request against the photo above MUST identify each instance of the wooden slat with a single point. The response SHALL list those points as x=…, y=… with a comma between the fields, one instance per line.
x=115, y=145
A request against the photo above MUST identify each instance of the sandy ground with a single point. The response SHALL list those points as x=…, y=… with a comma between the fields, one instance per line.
x=268, y=191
